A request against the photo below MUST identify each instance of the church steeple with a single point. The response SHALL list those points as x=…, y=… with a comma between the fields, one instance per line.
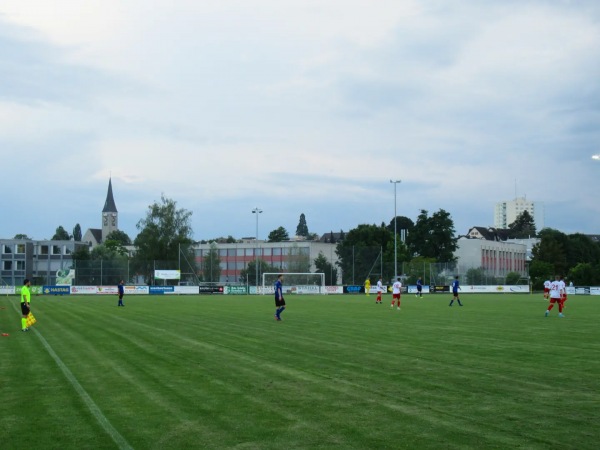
x=109, y=204
x=110, y=215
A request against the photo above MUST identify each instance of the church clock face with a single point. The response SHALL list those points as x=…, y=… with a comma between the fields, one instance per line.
x=105, y=219
x=113, y=219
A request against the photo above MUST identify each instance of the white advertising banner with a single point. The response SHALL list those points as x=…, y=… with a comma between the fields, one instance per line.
x=7, y=290
x=334, y=289
x=137, y=290
x=186, y=290
x=412, y=289
x=84, y=290
x=594, y=290
x=306, y=289
x=108, y=290
x=501, y=289
x=167, y=274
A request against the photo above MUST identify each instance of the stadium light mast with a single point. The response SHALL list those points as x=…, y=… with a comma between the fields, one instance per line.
x=395, y=231
x=256, y=211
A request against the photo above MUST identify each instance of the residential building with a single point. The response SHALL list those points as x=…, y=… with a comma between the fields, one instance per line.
x=508, y=211
x=40, y=261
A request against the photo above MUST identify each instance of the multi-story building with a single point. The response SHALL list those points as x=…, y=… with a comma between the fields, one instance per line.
x=484, y=248
x=40, y=261
x=287, y=256
x=508, y=211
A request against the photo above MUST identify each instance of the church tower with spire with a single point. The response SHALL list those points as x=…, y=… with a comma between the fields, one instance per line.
x=110, y=215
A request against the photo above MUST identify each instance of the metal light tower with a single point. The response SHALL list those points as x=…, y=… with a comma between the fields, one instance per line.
x=256, y=211
x=395, y=231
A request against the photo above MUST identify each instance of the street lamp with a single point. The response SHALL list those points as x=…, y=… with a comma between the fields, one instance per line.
x=256, y=211
x=395, y=231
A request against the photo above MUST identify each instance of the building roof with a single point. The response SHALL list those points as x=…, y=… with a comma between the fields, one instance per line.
x=488, y=233
x=109, y=204
x=337, y=237
x=96, y=233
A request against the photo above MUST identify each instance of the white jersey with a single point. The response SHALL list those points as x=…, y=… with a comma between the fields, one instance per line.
x=557, y=288
x=547, y=284
x=396, y=287
x=379, y=286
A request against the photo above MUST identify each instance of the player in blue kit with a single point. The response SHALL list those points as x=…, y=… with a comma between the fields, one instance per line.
x=279, y=300
x=455, y=288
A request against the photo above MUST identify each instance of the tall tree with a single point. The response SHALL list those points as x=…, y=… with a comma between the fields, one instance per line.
x=324, y=266
x=163, y=233
x=119, y=236
x=61, y=234
x=523, y=227
x=360, y=250
x=402, y=223
x=211, y=264
x=302, y=228
x=77, y=233
x=23, y=237
x=433, y=237
x=552, y=249
x=278, y=235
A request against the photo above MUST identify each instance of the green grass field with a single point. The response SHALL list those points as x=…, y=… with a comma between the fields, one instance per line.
x=175, y=372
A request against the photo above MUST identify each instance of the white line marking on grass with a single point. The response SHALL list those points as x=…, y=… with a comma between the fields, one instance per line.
x=95, y=410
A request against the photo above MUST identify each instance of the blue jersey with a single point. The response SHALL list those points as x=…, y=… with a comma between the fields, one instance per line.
x=455, y=286
x=278, y=290
x=121, y=289
x=419, y=283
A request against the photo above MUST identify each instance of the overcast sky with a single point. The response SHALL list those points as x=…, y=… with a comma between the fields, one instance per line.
x=297, y=107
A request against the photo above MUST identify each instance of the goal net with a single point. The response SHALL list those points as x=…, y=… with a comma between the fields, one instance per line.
x=294, y=283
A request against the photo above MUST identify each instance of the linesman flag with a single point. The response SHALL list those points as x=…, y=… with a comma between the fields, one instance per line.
x=30, y=320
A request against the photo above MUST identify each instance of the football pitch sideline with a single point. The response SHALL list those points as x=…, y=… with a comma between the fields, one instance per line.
x=339, y=372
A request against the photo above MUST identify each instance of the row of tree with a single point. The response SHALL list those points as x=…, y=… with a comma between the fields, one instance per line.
x=165, y=234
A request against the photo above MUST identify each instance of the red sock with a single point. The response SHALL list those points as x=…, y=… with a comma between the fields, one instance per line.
x=551, y=306
x=560, y=306
x=378, y=297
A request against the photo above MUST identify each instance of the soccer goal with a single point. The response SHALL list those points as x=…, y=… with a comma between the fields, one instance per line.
x=295, y=283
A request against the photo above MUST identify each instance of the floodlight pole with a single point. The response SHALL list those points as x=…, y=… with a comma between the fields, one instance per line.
x=395, y=231
x=256, y=211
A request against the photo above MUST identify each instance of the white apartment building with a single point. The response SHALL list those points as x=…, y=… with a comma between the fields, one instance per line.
x=507, y=212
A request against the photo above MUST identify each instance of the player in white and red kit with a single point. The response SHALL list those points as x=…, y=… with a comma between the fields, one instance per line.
x=396, y=292
x=557, y=290
x=546, y=289
x=379, y=291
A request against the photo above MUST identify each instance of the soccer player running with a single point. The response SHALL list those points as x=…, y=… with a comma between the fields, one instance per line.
x=419, y=288
x=379, y=291
x=396, y=292
x=455, y=288
x=279, y=300
x=25, y=303
x=546, y=289
x=121, y=293
x=557, y=289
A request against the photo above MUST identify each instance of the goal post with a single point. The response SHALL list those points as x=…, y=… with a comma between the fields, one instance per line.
x=295, y=283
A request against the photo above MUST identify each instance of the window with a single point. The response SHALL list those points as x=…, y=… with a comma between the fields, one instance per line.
x=267, y=251
x=6, y=249
x=20, y=249
x=7, y=265
x=277, y=252
x=239, y=252
x=20, y=265
x=223, y=252
x=249, y=252
x=231, y=252
x=56, y=249
x=44, y=250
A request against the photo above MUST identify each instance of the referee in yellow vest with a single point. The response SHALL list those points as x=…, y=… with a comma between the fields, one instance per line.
x=25, y=301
